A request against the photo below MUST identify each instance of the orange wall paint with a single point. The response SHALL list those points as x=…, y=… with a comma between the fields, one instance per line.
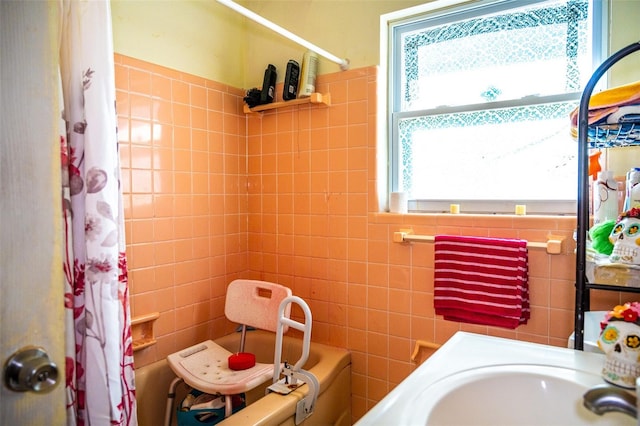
x=212, y=194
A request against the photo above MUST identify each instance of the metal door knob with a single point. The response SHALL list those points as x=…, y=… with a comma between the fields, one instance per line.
x=30, y=369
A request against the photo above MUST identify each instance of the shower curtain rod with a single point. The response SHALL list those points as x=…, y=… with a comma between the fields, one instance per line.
x=344, y=63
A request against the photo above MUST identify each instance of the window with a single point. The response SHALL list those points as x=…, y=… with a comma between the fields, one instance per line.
x=479, y=100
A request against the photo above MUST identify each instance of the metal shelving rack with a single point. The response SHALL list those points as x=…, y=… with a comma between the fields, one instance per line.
x=583, y=286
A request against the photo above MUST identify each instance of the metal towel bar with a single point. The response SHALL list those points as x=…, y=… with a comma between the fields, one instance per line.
x=553, y=245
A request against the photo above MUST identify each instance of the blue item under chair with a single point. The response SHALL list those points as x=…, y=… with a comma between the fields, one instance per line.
x=206, y=416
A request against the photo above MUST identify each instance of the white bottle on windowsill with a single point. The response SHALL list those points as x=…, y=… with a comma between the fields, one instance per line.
x=605, y=198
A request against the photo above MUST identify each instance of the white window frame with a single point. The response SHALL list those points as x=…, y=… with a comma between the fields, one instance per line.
x=386, y=128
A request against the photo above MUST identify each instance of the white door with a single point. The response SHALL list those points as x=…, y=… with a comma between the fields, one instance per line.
x=31, y=291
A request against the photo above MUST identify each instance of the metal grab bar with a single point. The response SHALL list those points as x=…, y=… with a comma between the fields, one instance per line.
x=553, y=244
x=306, y=405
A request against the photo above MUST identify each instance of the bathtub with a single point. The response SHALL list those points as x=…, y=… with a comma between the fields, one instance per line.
x=330, y=365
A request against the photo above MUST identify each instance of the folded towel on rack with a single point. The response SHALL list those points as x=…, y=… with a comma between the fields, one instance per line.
x=481, y=280
x=625, y=114
x=607, y=102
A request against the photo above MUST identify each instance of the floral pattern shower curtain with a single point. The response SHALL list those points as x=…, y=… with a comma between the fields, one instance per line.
x=99, y=364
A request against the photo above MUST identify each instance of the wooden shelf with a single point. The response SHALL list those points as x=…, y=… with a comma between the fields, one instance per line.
x=142, y=330
x=315, y=98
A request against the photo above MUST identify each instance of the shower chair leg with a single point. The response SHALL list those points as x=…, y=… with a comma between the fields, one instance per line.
x=171, y=396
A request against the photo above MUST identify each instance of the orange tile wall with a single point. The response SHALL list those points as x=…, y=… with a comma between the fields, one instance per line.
x=288, y=195
x=183, y=157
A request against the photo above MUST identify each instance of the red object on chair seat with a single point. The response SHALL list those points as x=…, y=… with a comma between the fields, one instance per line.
x=241, y=361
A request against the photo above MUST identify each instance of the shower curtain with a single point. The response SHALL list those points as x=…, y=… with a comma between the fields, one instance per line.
x=99, y=356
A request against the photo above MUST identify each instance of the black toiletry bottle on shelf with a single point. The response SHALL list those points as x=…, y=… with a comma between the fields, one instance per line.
x=290, y=90
x=268, y=85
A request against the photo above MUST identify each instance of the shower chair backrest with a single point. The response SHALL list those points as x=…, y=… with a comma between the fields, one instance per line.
x=255, y=304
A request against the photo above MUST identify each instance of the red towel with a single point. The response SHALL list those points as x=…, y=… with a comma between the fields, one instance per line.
x=481, y=280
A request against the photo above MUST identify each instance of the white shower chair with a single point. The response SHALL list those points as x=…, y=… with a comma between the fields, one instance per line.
x=205, y=367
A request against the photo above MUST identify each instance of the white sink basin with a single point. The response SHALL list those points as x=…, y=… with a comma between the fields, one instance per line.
x=481, y=380
x=511, y=395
